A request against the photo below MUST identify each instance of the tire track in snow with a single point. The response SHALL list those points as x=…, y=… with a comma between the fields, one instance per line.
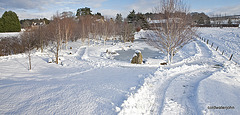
x=194, y=78
x=152, y=98
x=168, y=78
x=181, y=93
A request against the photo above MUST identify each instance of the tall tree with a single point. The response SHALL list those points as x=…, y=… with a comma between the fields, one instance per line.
x=67, y=23
x=1, y=25
x=29, y=41
x=141, y=21
x=68, y=14
x=84, y=11
x=11, y=22
x=174, y=30
x=132, y=17
x=56, y=34
x=98, y=16
x=119, y=18
x=138, y=20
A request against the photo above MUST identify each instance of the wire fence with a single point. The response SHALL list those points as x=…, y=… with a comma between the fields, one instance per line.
x=221, y=51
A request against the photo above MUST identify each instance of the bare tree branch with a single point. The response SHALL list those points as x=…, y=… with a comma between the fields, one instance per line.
x=172, y=28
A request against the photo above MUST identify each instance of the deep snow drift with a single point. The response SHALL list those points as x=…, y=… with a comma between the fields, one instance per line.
x=99, y=79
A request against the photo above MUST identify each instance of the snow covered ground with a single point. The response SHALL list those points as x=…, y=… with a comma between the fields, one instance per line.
x=92, y=81
x=227, y=39
x=9, y=34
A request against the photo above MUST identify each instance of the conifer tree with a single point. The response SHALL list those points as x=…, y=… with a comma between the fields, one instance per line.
x=11, y=22
x=132, y=17
x=84, y=11
x=119, y=18
x=1, y=25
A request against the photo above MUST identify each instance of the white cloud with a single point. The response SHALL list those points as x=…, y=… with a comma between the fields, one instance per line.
x=228, y=10
x=144, y=5
x=109, y=12
x=25, y=4
x=27, y=15
x=45, y=4
x=45, y=8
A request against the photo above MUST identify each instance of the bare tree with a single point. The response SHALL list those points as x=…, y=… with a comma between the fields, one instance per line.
x=56, y=34
x=172, y=29
x=127, y=31
x=67, y=26
x=94, y=29
x=40, y=35
x=107, y=30
x=29, y=42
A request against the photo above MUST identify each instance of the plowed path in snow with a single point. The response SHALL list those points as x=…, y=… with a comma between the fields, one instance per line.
x=174, y=89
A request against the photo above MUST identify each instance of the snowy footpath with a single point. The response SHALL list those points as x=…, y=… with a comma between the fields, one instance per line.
x=99, y=79
x=203, y=83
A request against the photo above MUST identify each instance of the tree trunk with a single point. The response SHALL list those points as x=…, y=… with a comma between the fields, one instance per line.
x=29, y=59
x=168, y=58
x=172, y=52
x=41, y=46
x=57, y=53
x=66, y=41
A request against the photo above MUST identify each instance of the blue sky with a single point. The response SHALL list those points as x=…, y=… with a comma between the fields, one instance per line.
x=46, y=8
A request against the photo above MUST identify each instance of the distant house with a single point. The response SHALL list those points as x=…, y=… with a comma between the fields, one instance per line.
x=158, y=20
x=225, y=21
x=35, y=25
x=235, y=19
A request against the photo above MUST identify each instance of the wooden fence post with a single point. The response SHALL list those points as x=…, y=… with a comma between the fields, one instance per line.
x=222, y=52
x=212, y=45
x=231, y=57
x=207, y=41
x=216, y=48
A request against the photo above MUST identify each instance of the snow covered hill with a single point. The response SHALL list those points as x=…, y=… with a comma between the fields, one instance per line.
x=90, y=80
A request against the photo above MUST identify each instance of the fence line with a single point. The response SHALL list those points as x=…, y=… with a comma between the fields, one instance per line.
x=217, y=48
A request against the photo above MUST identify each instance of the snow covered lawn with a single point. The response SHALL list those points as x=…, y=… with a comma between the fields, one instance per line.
x=92, y=81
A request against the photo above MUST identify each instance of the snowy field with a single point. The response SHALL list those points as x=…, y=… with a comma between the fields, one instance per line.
x=91, y=81
x=228, y=39
x=11, y=34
